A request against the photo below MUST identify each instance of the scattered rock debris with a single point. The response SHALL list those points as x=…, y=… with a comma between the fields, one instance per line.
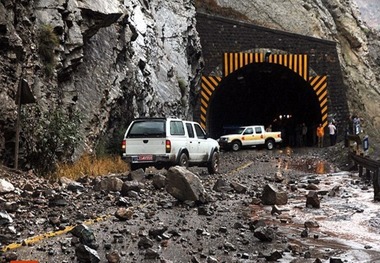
x=181, y=215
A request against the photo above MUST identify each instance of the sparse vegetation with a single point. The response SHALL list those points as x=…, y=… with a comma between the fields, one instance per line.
x=91, y=165
x=182, y=86
x=50, y=140
x=48, y=41
x=110, y=145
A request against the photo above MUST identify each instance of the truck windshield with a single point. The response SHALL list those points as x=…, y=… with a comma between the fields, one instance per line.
x=233, y=130
x=155, y=128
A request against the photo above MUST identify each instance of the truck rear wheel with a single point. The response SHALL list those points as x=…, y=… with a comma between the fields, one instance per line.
x=183, y=160
x=269, y=144
x=213, y=164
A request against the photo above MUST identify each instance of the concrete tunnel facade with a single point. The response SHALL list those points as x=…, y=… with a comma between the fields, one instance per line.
x=264, y=89
x=259, y=76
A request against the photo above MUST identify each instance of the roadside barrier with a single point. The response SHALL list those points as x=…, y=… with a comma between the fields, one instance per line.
x=372, y=171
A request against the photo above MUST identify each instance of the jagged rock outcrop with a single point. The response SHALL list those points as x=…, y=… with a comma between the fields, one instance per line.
x=115, y=60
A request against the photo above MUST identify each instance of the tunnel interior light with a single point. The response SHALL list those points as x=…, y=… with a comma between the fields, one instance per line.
x=284, y=116
x=267, y=54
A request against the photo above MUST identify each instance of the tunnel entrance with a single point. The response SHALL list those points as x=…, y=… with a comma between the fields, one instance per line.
x=265, y=94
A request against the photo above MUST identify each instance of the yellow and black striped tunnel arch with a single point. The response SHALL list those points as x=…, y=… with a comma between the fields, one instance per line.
x=234, y=61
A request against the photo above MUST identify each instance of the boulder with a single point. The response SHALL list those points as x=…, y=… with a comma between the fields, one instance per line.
x=273, y=196
x=184, y=185
x=312, y=200
x=5, y=186
x=113, y=184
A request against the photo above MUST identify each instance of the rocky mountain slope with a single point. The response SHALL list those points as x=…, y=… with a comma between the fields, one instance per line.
x=115, y=60
x=369, y=10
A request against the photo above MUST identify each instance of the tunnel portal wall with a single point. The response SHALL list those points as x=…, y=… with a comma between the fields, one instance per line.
x=219, y=36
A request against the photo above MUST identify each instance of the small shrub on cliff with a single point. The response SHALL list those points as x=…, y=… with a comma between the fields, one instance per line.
x=50, y=140
x=47, y=42
x=182, y=86
x=110, y=143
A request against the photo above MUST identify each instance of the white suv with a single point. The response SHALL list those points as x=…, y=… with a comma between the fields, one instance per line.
x=164, y=142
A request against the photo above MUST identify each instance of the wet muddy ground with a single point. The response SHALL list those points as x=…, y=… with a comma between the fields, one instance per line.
x=346, y=226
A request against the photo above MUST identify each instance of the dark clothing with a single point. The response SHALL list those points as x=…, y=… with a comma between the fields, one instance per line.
x=332, y=133
x=332, y=139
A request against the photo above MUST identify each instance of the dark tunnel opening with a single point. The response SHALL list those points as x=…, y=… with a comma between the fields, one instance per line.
x=265, y=94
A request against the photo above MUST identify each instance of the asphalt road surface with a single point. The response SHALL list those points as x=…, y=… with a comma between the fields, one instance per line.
x=345, y=227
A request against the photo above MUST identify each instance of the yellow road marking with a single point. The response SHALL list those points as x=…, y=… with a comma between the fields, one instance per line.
x=241, y=167
x=50, y=234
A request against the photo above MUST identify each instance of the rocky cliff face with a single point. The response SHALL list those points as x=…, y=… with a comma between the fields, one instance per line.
x=116, y=60
x=369, y=10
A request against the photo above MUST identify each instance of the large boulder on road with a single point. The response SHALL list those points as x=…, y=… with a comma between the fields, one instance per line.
x=273, y=196
x=185, y=185
x=112, y=183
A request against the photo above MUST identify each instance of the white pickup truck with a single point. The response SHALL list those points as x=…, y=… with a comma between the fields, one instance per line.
x=244, y=136
x=164, y=142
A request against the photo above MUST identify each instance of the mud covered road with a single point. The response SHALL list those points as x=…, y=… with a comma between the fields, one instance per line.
x=345, y=228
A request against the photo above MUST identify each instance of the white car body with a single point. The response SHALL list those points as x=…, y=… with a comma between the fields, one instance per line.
x=163, y=142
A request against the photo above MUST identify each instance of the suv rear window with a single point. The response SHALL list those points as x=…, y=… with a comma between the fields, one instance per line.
x=177, y=128
x=144, y=128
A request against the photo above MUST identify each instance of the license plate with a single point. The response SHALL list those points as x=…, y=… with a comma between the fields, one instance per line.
x=145, y=157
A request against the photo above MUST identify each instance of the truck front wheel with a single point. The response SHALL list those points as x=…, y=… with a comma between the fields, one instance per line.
x=235, y=146
x=213, y=164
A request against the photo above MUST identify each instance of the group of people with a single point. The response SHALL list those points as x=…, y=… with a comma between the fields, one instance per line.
x=353, y=127
x=333, y=132
x=297, y=135
x=293, y=135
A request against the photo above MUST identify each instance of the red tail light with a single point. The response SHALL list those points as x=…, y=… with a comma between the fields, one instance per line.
x=123, y=144
x=168, y=146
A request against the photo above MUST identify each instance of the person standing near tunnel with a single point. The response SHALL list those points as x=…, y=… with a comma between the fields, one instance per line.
x=332, y=133
x=320, y=135
x=304, y=135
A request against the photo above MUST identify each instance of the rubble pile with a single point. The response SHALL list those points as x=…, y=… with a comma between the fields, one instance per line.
x=180, y=215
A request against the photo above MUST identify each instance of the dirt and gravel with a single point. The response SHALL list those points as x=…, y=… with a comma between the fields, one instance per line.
x=82, y=221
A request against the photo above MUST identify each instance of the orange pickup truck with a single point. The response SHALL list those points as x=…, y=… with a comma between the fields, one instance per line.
x=245, y=136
